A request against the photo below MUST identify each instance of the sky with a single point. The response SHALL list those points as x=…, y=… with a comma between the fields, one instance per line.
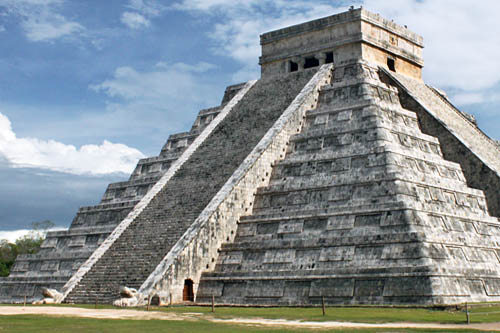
x=89, y=87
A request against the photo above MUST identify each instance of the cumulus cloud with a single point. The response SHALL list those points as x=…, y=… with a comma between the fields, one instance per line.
x=49, y=154
x=40, y=19
x=134, y=20
x=140, y=12
x=454, y=31
x=460, y=37
x=237, y=34
x=165, y=84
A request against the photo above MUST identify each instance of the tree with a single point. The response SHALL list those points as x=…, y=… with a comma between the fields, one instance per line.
x=27, y=244
x=8, y=254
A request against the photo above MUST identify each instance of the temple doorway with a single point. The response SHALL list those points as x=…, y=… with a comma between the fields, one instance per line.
x=188, y=294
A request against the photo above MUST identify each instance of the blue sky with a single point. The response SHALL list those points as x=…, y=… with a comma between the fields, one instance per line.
x=89, y=87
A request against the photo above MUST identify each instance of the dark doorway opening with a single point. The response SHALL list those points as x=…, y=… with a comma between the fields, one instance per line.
x=391, y=64
x=311, y=62
x=329, y=57
x=188, y=294
x=294, y=66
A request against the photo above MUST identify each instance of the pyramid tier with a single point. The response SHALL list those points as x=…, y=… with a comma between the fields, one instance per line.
x=364, y=209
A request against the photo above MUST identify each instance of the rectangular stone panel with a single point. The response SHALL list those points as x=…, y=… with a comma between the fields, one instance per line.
x=449, y=286
x=369, y=287
x=279, y=256
x=233, y=289
x=315, y=224
x=21, y=266
x=233, y=258
x=297, y=289
x=402, y=251
x=476, y=287
x=332, y=288
x=245, y=230
x=210, y=288
x=50, y=266
x=321, y=119
x=49, y=243
x=338, y=253
x=267, y=228
x=340, y=222
x=408, y=286
x=368, y=252
x=367, y=220
x=304, y=257
x=338, y=193
x=290, y=227
x=77, y=241
x=341, y=164
x=456, y=253
x=265, y=288
x=492, y=287
x=437, y=222
x=483, y=228
x=344, y=115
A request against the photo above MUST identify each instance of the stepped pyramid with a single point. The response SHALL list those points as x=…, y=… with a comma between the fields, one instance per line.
x=63, y=252
x=338, y=175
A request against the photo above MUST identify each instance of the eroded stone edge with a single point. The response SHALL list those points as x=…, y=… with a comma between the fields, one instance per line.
x=486, y=158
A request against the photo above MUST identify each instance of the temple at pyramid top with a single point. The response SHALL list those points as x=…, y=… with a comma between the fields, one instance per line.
x=341, y=38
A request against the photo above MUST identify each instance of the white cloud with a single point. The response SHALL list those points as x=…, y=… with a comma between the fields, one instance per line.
x=468, y=98
x=52, y=155
x=241, y=22
x=460, y=36
x=12, y=236
x=2, y=28
x=134, y=20
x=147, y=7
x=40, y=19
x=142, y=12
x=167, y=82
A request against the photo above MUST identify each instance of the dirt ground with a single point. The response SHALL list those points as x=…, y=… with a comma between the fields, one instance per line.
x=138, y=315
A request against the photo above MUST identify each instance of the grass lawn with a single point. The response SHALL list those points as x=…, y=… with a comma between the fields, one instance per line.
x=30, y=323
x=353, y=314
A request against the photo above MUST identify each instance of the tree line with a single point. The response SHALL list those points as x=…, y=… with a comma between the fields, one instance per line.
x=27, y=244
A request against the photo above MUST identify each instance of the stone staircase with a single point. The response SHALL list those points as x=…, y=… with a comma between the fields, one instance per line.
x=63, y=252
x=143, y=244
x=364, y=209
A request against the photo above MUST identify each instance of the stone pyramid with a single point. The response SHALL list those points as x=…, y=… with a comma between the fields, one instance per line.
x=339, y=175
x=63, y=252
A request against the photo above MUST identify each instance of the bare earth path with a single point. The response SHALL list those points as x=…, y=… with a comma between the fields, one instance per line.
x=144, y=315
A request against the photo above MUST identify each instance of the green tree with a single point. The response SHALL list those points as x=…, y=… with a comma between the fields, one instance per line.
x=28, y=244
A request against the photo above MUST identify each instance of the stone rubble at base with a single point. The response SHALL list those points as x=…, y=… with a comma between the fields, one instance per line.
x=338, y=176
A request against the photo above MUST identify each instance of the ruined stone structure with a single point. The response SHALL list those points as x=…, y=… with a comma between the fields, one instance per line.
x=339, y=174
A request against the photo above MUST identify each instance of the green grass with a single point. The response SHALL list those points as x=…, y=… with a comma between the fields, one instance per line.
x=31, y=323
x=482, y=313
x=352, y=314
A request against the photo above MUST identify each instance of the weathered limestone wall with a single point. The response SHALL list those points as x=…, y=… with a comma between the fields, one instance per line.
x=197, y=250
x=461, y=140
x=363, y=209
x=352, y=35
x=379, y=57
x=175, y=207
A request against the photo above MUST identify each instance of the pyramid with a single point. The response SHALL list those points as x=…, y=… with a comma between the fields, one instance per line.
x=339, y=176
